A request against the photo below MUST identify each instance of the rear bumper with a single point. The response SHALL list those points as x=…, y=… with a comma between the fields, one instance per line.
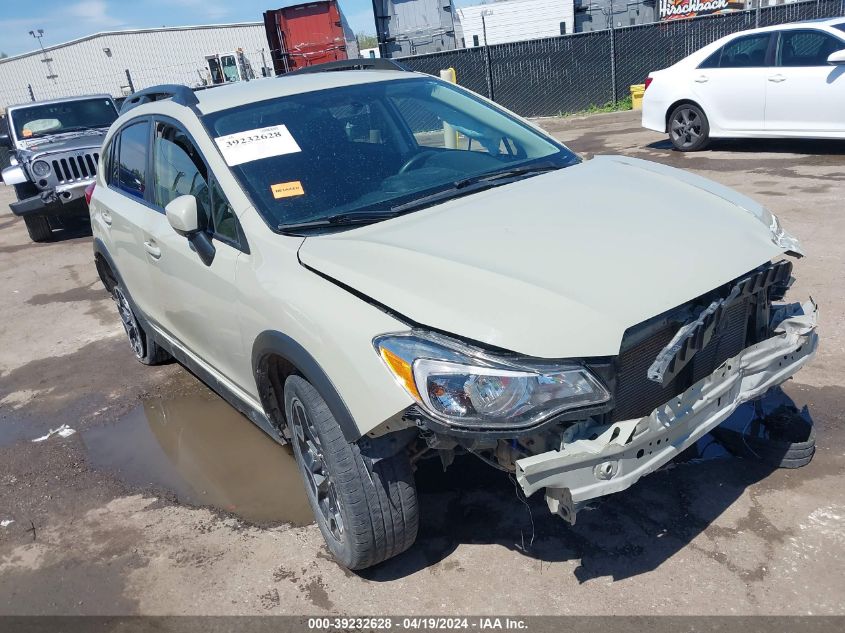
x=585, y=469
x=654, y=112
x=64, y=199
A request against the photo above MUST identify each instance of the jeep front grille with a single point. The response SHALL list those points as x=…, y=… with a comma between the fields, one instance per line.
x=73, y=168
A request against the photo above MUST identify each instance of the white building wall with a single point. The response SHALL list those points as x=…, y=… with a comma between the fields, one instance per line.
x=153, y=56
x=515, y=20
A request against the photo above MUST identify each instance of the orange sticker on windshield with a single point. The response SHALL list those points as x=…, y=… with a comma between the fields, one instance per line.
x=27, y=132
x=287, y=189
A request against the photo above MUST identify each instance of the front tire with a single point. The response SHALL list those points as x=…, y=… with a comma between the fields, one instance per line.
x=38, y=228
x=689, y=129
x=146, y=350
x=367, y=511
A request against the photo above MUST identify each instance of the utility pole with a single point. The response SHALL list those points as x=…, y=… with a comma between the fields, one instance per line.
x=487, y=61
x=38, y=34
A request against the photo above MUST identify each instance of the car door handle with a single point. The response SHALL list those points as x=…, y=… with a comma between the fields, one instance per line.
x=777, y=79
x=106, y=217
x=702, y=79
x=152, y=249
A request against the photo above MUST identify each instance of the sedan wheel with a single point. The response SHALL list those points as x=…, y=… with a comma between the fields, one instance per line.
x=689, y=130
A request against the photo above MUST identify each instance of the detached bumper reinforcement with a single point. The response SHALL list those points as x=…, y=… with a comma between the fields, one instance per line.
x=585, y=469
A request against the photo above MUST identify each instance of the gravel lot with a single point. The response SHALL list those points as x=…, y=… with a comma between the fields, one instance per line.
x=167, y=502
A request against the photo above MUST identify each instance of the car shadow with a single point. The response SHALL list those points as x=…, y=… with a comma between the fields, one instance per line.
x=71, y=228
x=763, y=145
x=626, y=535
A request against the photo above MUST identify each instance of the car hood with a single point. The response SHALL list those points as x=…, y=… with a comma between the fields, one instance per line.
x=59, y=144
x=558, y=265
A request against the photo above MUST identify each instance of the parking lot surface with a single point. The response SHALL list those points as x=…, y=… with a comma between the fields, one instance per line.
x=166, y=501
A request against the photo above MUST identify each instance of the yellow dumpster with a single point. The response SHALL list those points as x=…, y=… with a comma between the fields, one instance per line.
x=637, y=92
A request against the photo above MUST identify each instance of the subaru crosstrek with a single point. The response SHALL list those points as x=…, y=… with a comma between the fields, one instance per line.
x=378, y=266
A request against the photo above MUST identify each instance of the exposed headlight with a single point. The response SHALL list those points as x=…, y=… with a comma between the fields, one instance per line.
x=40, y=168
x=468, y=387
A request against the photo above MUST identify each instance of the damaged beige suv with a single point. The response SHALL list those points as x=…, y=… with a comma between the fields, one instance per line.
x=375, y=265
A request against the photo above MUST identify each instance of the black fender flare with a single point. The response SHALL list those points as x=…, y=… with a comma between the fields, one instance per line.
x=274, y=343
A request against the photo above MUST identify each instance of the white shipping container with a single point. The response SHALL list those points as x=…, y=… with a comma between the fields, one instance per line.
x=515, y=20
x=98, y=63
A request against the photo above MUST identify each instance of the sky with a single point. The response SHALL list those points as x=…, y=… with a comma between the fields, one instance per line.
x=64, y=20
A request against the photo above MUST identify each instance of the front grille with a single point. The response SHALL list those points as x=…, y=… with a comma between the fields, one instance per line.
x=73, y=168
x=637, y=396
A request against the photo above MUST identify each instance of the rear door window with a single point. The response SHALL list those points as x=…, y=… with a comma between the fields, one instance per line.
x=743, y=52
x=132, y=159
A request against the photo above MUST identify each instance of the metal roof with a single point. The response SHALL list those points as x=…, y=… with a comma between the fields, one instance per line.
x=129, y=32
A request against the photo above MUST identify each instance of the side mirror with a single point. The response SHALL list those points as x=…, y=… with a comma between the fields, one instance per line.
x=837, y=58
x=5, y=140
x=182, y=215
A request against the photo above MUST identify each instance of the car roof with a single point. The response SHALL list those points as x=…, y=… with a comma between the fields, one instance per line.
x=29, y=104
x=236, y=94
x=795, y=25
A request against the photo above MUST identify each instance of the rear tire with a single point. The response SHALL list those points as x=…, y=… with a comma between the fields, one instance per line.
x=366, y=510
x=38, y=228
x=688, y=128
x=146, y=350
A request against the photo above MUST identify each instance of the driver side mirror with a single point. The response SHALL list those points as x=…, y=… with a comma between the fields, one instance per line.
x=837, y=58
x=182, y=215
x=5, y=140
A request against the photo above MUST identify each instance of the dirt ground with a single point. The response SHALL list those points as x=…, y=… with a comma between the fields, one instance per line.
x=165, y=501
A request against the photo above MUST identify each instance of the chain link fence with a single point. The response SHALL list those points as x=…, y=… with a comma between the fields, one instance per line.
x=570, y=73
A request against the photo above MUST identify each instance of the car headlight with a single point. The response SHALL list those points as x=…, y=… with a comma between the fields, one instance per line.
x=469, y=387
x=41, y=168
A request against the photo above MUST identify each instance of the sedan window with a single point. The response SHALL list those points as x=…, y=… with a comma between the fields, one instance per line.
x=806, y=48
x=743, y=52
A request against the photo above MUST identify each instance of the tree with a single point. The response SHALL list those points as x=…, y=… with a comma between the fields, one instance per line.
x=3, y=55
x=366, y=41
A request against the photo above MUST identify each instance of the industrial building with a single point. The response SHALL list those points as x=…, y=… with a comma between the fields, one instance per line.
x=513, y=21
x=117, y=62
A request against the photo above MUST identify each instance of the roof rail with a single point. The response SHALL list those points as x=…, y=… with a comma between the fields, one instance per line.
x=178, y=93
x=366, y=63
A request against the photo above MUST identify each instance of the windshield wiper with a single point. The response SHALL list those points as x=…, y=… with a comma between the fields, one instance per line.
x=457, y=189
x=513, y=172
x=340, y=219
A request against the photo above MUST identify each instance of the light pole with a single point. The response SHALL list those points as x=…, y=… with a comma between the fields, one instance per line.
x=38, y=34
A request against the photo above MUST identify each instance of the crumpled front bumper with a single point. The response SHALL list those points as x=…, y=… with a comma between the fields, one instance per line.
x=53, y=201
x=625, y=451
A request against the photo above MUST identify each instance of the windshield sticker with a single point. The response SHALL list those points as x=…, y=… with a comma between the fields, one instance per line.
x=287, y=189
x=245, y=147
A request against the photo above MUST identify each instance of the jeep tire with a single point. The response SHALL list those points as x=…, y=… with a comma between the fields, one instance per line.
x=146, y=350
x=366, y=509
x=38, y=228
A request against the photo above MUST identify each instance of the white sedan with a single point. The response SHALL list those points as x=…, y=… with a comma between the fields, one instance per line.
x=776, y=82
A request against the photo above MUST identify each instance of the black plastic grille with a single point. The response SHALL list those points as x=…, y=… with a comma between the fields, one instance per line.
x=637, y=396
x=72, y=168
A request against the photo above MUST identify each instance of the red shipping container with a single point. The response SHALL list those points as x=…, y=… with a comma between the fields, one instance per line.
x=308, y=34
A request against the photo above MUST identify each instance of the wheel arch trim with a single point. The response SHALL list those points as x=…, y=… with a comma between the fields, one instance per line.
x=273, y=343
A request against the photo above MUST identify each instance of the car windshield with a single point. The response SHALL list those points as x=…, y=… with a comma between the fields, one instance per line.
x=374, y=148
x=68, y=116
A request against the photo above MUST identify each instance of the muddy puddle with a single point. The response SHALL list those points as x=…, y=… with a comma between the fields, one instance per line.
x=206, y=453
